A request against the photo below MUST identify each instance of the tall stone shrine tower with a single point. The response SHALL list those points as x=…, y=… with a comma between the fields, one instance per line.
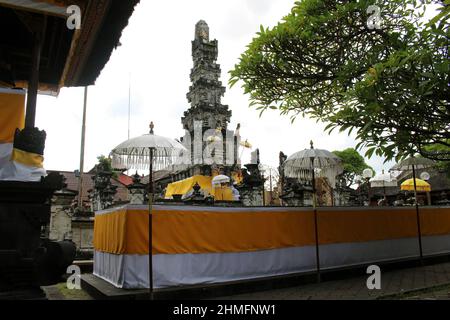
x=207, y=118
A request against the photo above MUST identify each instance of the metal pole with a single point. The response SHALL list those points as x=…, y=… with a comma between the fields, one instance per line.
x=361, y=200
x=264, y=189
x=33, y=82
x=270, y=183
x=83, y=137
x=150, y=226
x=316, y=229
x=129, y=107
x=129, y=104
x=332, y=197
x=419, y=233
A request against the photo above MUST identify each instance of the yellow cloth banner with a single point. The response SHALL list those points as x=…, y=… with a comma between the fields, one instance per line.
x=12, y=113
x=205, y=231
x=27, y=158
x=184, y=186
x=223, y=194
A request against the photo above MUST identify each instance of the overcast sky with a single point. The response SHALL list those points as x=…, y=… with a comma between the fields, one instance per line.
x=156, y=52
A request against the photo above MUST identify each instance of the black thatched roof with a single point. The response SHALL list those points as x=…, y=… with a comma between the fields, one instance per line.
x=68, y=58
x=379, y=191
x=107, y=40
x=439, y=179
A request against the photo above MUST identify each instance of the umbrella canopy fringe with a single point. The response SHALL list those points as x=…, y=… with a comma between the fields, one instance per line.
x=142, y=162
x=301, y=169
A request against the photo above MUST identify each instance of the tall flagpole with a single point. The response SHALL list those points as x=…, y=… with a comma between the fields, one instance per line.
x=129, y=107
x=150, y=220
x=83, y=136
x=129, y=104
x=316, y=227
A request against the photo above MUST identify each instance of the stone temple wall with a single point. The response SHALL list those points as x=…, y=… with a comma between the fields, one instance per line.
x=83, y=235
x=252, y=197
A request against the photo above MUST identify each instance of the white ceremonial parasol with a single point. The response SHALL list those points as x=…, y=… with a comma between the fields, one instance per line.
x=304, y=164
x=412, y=164
x=383, y=180
x=148, y=151
x=217, y=180
x=300, y=163
x=136, y=152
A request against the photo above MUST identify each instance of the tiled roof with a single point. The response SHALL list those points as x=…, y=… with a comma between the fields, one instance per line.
x=88, y=184
x=124, y=179
x=156, y=176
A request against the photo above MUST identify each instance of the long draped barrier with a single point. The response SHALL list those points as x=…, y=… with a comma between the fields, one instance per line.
x=199, y=245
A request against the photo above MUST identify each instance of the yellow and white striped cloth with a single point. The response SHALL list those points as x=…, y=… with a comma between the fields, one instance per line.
x=16, y=164
x=194, y=245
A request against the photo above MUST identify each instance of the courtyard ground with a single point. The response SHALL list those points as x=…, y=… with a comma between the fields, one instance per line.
x=430, y=282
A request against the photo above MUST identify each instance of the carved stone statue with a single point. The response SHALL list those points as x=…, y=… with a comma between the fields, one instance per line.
x=293, y=192
x=251, y=190
x=102, y=196
x=196, y=196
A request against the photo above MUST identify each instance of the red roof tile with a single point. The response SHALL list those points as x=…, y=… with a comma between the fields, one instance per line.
x=125, y=180
x=88, y=184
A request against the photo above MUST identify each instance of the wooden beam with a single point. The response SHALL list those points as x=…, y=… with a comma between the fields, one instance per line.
x=48, y=7
x=33, y=83
x=32, y=22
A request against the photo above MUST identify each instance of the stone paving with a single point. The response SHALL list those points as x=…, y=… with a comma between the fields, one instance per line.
x=438, y=293
x=425, y=283
x=394, y=285
x=60, y=292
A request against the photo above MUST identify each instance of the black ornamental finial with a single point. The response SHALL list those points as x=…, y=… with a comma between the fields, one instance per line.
x=312, y=144
x=151, y=127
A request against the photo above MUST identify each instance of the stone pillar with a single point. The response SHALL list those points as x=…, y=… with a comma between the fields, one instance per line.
x=136, y=191
x=61, y=215
x=252, y=188
x=24, y=210
x=296, y=193
x=251, y=197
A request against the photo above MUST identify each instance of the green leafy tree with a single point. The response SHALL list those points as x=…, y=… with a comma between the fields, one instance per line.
x=104, y=163
x=439, y=149
x=389, y=85
x=354, y=164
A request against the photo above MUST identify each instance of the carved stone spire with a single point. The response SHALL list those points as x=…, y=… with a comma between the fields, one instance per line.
x=206, y=90
x=202, y=31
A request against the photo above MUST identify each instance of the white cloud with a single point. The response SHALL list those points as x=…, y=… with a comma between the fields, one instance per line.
x=156, y=51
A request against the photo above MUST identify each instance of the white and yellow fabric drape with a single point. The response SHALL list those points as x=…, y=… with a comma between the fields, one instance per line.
x=185, y=187
x=194, y=245
x=16, y=164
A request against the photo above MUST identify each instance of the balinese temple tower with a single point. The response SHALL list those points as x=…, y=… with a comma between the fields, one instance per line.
x=213, y=148
x=207, y=111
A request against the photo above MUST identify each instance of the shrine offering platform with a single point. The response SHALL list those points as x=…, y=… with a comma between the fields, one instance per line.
x=195, y=245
